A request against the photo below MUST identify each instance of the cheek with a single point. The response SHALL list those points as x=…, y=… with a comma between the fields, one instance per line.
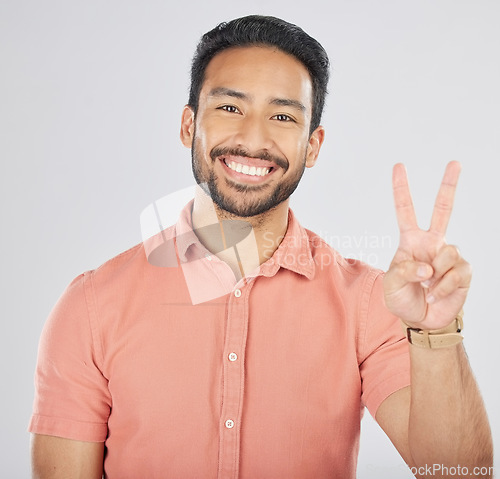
x=295, y=148
x=200, y=144
x=212, y=134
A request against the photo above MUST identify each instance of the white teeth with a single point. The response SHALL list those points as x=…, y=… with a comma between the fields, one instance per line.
x=248, y=170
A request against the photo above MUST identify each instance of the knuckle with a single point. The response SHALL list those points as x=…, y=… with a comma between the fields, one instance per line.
x=443, y=204
x=453, y=252
x=402, y=268
x=454, y=278
x=467, y=271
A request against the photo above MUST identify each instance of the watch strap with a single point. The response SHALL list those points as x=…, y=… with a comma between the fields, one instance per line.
x=437, y=338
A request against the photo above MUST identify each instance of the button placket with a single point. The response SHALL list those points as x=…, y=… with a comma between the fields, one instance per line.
x=233, y=380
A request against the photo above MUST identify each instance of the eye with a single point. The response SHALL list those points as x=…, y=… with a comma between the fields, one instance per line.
x=229, y=108
x=283, y=117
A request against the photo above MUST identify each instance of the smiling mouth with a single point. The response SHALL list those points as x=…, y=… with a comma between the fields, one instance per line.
x=246, y=169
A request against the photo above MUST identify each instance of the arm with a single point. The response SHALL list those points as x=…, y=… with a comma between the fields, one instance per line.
x=440, y=419
x=430, y=423
x=57, y=458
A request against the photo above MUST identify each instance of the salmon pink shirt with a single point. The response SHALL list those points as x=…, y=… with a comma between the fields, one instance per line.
x=268, y=380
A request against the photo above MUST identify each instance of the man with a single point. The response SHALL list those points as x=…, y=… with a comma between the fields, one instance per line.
x=142, y=373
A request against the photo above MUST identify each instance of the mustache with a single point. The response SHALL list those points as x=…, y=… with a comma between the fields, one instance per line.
x=262, y=155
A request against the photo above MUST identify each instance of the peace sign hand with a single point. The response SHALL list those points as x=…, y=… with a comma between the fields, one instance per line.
x=427, y=281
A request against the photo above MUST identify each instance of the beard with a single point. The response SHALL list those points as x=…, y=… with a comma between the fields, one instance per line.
x=245, y=200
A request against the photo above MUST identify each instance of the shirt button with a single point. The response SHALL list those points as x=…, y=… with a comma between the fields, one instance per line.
x=233, y=357
x=208, y=256
x=229, y=424
x=237, y=292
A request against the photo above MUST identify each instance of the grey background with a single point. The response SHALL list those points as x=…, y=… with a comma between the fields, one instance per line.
x=90, y=99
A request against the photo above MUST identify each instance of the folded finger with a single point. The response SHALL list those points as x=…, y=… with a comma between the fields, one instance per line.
x=454, y=279
x=447, y=257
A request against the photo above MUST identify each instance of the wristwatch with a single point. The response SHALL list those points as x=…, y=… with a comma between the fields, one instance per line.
x=437, y=338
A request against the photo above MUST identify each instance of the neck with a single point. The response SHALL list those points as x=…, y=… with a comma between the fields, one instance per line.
x=244, y=243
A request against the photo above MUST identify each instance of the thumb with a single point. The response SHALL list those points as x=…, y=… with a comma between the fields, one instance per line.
x=404, y=272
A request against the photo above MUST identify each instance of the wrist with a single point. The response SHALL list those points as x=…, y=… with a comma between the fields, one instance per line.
x=436, y=338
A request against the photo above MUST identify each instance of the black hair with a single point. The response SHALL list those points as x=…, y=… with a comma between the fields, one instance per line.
x=255, y=30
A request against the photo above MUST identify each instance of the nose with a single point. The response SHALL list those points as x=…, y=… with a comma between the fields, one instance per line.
x=254, y=134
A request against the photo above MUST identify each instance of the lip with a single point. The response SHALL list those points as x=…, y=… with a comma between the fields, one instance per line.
x=242, y=177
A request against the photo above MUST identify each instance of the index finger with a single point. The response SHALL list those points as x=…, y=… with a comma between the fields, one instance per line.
x=405, y=211
x=444, y=200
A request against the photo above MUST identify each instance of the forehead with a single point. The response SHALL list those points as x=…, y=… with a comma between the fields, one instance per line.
x=259, y=71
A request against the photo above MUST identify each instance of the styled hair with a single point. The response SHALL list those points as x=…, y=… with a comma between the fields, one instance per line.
x=257, y=30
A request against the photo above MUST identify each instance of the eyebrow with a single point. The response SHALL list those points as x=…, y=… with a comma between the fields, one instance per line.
x=288, y=102
x=223, y=91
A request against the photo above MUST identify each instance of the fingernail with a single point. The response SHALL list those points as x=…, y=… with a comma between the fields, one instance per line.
x=426, y=283
x=422, y=271
x=430, y=298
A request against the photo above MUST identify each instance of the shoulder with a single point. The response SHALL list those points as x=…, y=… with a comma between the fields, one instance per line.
x=130, y=264
x=120, y=263
x=79, y=296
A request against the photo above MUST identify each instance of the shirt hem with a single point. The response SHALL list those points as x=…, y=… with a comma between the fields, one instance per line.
x=68, y=428
x=382, y=391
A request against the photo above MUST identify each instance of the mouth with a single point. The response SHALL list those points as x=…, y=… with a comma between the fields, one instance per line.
x=247, y=169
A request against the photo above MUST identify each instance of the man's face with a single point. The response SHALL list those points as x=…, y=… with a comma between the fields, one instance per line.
x=250, y=139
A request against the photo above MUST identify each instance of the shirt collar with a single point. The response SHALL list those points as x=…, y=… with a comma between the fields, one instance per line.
x=293, y=253
x=185, y=237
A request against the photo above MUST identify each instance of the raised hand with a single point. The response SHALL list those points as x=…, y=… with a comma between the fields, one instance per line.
x=427, y=281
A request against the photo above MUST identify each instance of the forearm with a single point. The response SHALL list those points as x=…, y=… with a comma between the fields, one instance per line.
x=448, y=424
x=59, y=458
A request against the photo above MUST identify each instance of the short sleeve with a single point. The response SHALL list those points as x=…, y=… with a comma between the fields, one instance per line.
x=72, y=399
x=384, y=354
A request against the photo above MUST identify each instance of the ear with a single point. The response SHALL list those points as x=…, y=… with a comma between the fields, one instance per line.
x=187, y=127
x=315, y=141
